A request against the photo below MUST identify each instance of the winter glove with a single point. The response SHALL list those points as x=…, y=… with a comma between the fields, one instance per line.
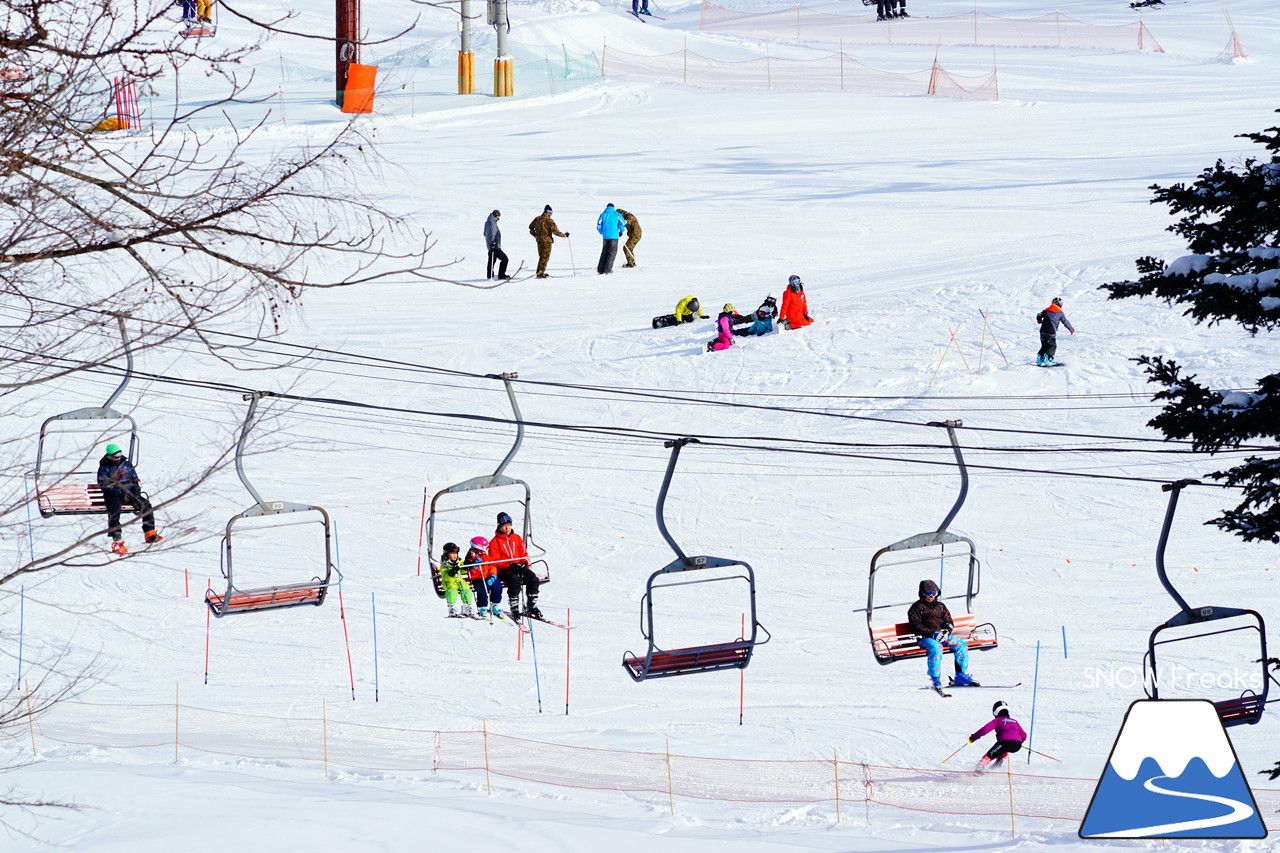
x=704, y=316
x=566, y=233
x=941, y=636
x=807, y=317
x=970, y=740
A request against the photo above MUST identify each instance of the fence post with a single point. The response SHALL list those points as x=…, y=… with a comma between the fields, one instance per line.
x=835, y=762
x=685, y=56
x=177, y=706
x=1013, y=830
x=768, y=68
x=31, y=720
x=487, y=781
x=866, y=792
x=842, y=63
x=671, y=793
x=324, y=731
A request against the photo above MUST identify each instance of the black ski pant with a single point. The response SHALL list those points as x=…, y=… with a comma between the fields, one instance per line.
x=608, y=252
x=496, y=254
x=1003, y=748
x=515, y=576
x=116, y=499
x=883, y=8
x=1048, y=344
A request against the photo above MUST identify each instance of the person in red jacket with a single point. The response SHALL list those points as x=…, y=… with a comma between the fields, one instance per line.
x=507, y=551
x=1009, y=737
x=795, y=306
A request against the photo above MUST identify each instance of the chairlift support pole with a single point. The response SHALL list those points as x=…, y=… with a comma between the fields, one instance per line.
x=244, y=435
x=515, y=408
x=950, y=427
x=675, y=446
x=1174, y=490
x=128, y=362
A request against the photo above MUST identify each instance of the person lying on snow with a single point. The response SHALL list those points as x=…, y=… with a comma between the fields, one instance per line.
x=762, y=325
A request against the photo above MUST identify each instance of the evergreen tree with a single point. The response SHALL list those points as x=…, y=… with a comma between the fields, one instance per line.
x=1230, y=218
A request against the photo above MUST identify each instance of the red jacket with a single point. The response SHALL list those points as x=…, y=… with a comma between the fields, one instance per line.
x=795, y=308
x=505, y=549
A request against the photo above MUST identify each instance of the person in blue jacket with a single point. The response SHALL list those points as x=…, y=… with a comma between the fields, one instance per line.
x=761, y=325
x=120, y=486
x=611, y=226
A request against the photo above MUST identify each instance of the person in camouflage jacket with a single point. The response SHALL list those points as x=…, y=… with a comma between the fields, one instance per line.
x=544, y=231
x=633, y=236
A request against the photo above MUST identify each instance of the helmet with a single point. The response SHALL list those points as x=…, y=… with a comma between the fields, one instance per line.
x=480, y=543
x=114, y=450
x=449, y=547
x=694, y=305
x=795, y=279
x=1057, y=300
x=1000, y=709
x=762, y=312
x=729, y=309
x=503, y=518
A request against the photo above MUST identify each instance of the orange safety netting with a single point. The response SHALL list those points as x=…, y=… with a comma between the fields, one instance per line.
x=837, y=71
x=951, y=790
x=971, y=28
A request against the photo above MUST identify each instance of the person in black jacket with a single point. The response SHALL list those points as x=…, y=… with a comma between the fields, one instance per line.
x=1049, y=320
x=930, y=620
x=493, y=240
x=120, y=486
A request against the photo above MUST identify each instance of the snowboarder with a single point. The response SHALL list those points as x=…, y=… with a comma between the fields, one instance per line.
x=120, y=486
x=610, y=224
x=724, y=329
x=687, y=310
x=633, y=232
x=453, y=578
x=1049, y=320
x=762, y=325
x=930, y=620
x=483, y=577
x=544, y=231
x=1009, y=737
x=493, y=240
x=511, y=560
x=795, y=305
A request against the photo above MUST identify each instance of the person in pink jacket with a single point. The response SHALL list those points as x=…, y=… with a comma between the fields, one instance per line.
x=724, y=329
x=1009, y=737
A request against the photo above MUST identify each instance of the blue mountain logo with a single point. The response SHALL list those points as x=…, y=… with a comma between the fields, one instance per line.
x=1172, y=774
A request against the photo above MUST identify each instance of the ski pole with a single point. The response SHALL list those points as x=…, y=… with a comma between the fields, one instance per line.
x=954, y=754
x=1042, y=755
x=572, y=262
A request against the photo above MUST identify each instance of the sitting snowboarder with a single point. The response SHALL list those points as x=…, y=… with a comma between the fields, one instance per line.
x=930, y=620
x=1009, y=737
x=724, y=329
x=795, y=306
x=762, y=325
x=120, y=486
x=687, y=310
x=453, y=578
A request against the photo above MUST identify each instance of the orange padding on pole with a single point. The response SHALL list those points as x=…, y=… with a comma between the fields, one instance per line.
x=358, y=96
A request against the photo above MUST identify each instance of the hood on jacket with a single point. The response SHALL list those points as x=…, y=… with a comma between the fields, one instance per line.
x=929, y=586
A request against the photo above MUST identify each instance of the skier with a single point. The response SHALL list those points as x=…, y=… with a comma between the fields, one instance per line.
x=724, y=329
x=689, y=309
x=120, y=486
x=510, y=558
x=640, y=7
x=189, y=12
x=483, y=577
x=1009, y=737
x=762, y=325
x=633, y=233
x=1049, y=320
x=544, y=231
x=205, y=11
x=453, y=578
x=610, y=224
x=493, y=240
x=795, y=305
x=931, y=621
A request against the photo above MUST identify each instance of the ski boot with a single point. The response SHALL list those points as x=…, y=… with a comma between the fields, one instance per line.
x=467, y=612
x=1048, y=361
x=118, y=546
x=982, y=764
x=453, y=611
x=531, y=608
x=936, y=682
x=496, y=610
x=153, y=536
x=645, y=12
x=1039, y=359
x=515, y=611
x=964, y=679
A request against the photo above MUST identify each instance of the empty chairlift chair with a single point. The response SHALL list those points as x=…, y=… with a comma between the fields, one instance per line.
x=894, y=641
x=657, y=662
x=77, y=492
x=238, y=599
x=1247, y=708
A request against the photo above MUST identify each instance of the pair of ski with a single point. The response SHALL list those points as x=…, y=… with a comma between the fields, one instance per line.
x=505, y=616
x=640, y=16
x=952, y=684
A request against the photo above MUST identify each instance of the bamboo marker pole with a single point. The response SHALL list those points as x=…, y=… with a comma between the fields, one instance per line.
x=835, y=762
x=488, y=782
x=671, y=793
x=31, y=720
x=177, y=705
x=324, y=731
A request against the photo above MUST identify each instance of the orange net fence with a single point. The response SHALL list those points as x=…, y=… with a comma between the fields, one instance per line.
x=972, y=28
x=835, y=72
x=356, y=746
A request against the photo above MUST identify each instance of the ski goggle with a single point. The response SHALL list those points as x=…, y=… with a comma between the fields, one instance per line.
x=931, y=593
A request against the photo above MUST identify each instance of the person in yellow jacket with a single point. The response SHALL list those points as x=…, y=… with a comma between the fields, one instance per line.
x=633, y=236
x=543, y=229
x=688, y=309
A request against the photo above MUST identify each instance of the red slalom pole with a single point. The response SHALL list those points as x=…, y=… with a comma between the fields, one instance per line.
x=186, y=583
x=422, y=526
x=342, y=613
x=207, y=614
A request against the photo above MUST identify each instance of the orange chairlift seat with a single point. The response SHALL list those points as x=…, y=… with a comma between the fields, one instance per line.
x=496, y=480
x=250, y=600
x=893, y=641
x=1247, y=708
x=77, y=492
x=657, y=662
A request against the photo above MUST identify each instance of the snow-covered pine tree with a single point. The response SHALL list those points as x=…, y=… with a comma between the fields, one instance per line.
x=1230, y=218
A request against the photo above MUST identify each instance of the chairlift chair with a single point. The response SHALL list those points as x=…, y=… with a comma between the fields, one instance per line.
x=663, y=663
x=1247, y=708
x=894, y=641
x=496, y=480
x=60, y=497
x=249, y=600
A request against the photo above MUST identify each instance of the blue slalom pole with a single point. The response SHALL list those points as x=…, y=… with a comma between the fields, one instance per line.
x=1035, y=685
x=1064, y=642
x=31, y=539
x=536, y=679
x=373, y=596
x=942, y=568
x=22, y=623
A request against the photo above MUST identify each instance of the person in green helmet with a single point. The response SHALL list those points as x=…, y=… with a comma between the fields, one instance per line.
x=121, y=487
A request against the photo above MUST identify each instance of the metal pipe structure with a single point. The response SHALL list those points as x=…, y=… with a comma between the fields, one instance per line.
x=346, y=44
x=466, y=57
x=503, y=64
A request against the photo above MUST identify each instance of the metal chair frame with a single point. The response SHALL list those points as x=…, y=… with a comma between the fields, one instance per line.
x=664, y=663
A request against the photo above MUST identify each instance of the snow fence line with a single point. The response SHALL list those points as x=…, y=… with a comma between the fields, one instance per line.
x=972, y=28
x=669, y=776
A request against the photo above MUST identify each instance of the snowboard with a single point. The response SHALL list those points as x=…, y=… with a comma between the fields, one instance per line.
x=1055, y=364
x=662, y=321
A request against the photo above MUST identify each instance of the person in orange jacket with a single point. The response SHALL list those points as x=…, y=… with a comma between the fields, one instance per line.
x=507, y=551
x=795, y=306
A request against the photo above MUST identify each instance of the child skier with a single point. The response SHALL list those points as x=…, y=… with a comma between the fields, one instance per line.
x=453, y=578
x=931, y=621
x=1009, y=737
x=795, y=306
x=483, y=577
x=1049, y=320
x=724, y=329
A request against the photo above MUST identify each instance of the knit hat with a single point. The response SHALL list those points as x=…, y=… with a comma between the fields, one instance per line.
x=497, y=213
x=546, y=209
